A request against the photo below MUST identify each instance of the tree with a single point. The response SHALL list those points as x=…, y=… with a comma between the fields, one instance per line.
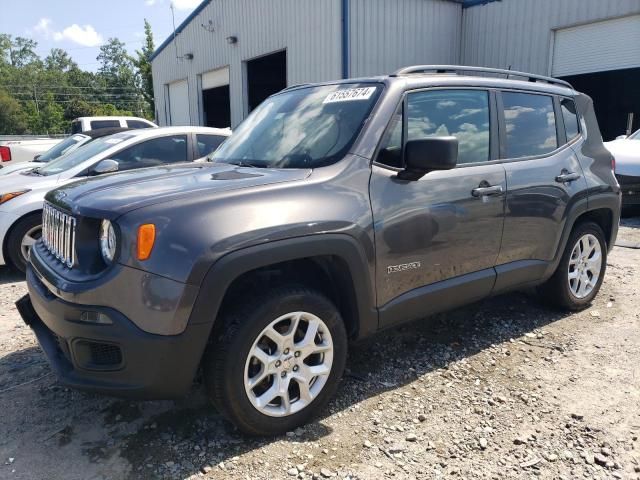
x=13, y=119
x=117, y=69
x=143, y=63
x=22, y=51
x=59, y=60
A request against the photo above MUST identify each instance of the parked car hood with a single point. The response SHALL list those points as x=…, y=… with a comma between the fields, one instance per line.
x=23, y=180
x=627, y=155
x=113, y=195
x=6, y=170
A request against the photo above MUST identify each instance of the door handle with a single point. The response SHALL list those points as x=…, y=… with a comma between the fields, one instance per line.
x=487, y=191
x=565, y=177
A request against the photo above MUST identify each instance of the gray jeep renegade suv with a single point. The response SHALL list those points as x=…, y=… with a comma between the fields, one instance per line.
x=334, y=211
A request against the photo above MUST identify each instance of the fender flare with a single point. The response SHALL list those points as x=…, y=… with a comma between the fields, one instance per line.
x=609, y=201
x=228, y=268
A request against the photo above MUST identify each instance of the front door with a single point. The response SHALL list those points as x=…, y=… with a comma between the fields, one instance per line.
x=445, y=229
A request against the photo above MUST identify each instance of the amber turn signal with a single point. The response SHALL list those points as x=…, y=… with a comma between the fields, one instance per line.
x=146, y=239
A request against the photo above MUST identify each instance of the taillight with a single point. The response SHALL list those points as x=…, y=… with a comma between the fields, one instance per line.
x=5, y=154
x=613, y=164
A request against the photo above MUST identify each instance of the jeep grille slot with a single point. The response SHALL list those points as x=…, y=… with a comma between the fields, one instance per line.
x=59, y=234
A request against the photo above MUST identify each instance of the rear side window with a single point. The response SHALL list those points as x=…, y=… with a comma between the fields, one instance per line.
x=137, y=124
x=461, y=113
x=570, y=117
x=530, y=124
x=76, y=127
x=95, y=124
x=208, y=144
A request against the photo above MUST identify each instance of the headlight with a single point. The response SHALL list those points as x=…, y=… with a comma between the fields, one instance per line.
x=5, y=197
x=107, y=241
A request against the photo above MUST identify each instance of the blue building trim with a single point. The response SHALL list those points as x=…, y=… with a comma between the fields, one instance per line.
x=345, y=39
x=180, y=27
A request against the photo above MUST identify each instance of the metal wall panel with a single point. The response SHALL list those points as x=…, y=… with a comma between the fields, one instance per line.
x=310, y=31
x=520, y=33
x=388, y=34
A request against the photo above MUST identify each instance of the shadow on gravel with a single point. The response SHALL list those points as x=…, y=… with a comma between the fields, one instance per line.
x=182, y=441
x=21, y=366
x=9, y=275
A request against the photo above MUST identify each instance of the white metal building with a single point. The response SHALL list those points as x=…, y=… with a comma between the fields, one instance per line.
x=230, y=54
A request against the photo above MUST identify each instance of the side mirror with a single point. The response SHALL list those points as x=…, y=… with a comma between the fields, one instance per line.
x=36, y=157
x=621, y=137
x=427, y=154
x=105, y=166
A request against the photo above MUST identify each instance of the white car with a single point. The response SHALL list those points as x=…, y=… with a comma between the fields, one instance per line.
x=84, y=124
x=18, y=151
x=22, y=193
x=66, y=146
x=626, y=151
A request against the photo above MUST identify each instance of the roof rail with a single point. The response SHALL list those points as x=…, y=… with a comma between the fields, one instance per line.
x=461, y=69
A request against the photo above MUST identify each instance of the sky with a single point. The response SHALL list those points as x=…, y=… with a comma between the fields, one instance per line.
x=80, y=27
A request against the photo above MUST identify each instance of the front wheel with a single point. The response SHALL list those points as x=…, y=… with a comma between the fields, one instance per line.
x=276, y=361
x=24, y=234
x=580, y=273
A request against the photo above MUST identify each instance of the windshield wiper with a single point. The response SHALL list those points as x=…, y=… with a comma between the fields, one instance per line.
x=243, y=163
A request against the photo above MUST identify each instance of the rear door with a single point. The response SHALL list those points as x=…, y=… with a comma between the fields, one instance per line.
x=440, y=233
x=544, y=178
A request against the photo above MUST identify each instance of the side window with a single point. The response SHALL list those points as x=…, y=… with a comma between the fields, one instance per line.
x=208, y=144
x=570, y=117
x=137, y=124
x=159, y=151
x=461, y=113
x=95, y=124
x=530, y=124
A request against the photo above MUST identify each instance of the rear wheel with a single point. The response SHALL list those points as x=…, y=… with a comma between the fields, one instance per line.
x=276, y=361
x=580, y=273
x=24, y=234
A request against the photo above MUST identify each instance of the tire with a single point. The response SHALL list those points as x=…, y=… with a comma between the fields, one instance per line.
x=576, y=294
x=30, y=225
x=229, y=362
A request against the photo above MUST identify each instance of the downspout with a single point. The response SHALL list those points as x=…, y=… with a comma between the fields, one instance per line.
x=345, y=39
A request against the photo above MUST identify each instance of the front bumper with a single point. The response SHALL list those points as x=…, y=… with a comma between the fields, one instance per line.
x=6, y=221
x=116, y=359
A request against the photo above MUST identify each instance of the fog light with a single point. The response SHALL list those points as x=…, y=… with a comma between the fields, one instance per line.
x=95, y=317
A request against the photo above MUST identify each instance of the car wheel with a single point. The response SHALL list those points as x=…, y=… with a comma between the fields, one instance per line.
x=579, y=275
x=24, y=234
x=276, y=361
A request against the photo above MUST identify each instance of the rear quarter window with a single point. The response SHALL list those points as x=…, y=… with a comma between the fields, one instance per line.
x=570, y=117
x=530, y=124
x=95, y=124
x=137, y=124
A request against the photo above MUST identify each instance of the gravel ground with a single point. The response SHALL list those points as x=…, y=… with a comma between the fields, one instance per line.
x=502, y=389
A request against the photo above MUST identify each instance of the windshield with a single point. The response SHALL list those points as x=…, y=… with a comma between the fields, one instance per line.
x=80, y=155
x=305, y=128
x=62, y=148
x=635, y=136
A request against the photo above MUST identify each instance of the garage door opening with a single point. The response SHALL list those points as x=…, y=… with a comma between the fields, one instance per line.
x=216, y=98
x=217, y=111
x=265, y=76
x=615, y=95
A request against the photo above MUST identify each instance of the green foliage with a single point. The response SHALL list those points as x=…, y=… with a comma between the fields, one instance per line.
x=12, y=116
x=42, y=96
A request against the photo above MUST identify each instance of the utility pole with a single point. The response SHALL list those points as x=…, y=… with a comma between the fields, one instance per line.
x=35, y=97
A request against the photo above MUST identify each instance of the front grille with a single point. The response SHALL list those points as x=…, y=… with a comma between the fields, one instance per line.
x=59, y=234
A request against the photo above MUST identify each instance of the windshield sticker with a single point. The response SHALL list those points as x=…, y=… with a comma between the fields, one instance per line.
x=350, y=95
x=113, y=141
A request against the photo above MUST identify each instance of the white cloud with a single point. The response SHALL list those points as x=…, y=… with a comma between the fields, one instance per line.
x=151, y=3
x=515, y=111
x=185, y=4
x=43, y=27
x=83, y=35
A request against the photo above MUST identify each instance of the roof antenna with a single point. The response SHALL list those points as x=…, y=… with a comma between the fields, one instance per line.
x=173, y=18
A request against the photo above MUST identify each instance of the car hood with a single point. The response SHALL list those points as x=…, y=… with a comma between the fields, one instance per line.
x=113, y=195
x=6, y=170
x=627, y=155
x=22, y=180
